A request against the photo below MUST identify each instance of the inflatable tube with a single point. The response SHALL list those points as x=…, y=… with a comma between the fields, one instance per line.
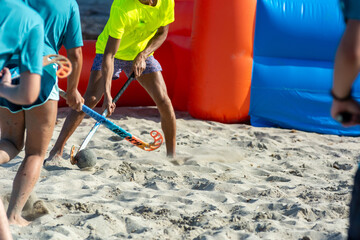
x=294, y=51
x=222, y=60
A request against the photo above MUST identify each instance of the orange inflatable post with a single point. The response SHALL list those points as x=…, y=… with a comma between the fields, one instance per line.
x=222, y=50
x=179, y=41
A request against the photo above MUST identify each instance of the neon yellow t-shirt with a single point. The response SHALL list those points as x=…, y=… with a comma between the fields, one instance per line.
x=135, y=24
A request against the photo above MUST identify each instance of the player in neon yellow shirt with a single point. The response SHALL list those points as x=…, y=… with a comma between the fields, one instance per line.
x=135, y=29
x=134, y=23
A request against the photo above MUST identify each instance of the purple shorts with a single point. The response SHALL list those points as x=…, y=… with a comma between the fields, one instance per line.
x=152, y=65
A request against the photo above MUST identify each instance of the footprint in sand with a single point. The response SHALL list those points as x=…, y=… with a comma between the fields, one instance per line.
x=33, y=209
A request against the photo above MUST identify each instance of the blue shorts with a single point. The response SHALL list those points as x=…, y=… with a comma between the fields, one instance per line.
x=350, y=9
x=152, y=65
x=49, y=89
x=354, y=228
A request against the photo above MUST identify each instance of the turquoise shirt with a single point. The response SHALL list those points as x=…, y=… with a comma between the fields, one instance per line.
x=351, y=9
x=21, y=33
x=62, y=23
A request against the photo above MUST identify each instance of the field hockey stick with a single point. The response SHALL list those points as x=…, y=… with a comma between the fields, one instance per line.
x=158, y=139
x=64, y=65
x=97, y=124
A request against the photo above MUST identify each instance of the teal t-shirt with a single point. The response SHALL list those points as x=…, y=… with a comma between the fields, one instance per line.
x=351, y=9
x=61, y=23
x=22, y=34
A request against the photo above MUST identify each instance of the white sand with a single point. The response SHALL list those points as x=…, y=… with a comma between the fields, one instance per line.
x=231, y=182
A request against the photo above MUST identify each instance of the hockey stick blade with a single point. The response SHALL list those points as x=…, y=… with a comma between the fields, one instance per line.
x=64, y=65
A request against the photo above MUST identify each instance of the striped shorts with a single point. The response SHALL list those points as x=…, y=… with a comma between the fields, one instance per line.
x=152, y=65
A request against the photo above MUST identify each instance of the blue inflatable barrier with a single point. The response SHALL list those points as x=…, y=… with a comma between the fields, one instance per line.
x=294, y=51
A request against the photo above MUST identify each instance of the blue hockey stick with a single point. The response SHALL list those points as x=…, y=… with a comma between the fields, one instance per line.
x=158, y=139
x=97, y=124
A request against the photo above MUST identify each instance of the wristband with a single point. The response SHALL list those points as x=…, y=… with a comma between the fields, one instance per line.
x=343, y=99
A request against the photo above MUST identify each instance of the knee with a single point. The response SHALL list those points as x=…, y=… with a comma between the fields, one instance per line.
x=165, y=108
x=163, y=102
x=11, y=148
x=91, y=101
x=17, y=145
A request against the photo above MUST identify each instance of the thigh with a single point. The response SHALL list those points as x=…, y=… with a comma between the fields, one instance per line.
x=12, y=126
x=154, y=84
x=40, y=123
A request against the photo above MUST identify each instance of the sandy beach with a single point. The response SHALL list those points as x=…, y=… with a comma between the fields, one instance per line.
x=229, y=181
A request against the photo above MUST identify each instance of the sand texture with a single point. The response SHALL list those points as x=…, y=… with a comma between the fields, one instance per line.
x=228, y=182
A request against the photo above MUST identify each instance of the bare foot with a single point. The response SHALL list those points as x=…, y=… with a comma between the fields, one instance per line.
x=55, y=160
x=18, y=220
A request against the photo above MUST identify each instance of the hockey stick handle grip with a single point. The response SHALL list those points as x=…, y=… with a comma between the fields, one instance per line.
x=347, y=117
x=344, y=117
x=108, y=124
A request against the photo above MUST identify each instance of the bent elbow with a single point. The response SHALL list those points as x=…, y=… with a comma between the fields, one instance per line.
x=75, y=55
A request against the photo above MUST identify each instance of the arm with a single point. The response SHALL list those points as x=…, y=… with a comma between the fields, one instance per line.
x=347, y=66
x=27, y=91
x=107, y=70
x=23, y=94
x=155, y=42
x=74, y=98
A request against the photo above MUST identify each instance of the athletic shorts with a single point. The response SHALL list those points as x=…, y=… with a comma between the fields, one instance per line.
x=350, y=9
x=354, y=229
x=49, y=89
x=152, y=65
